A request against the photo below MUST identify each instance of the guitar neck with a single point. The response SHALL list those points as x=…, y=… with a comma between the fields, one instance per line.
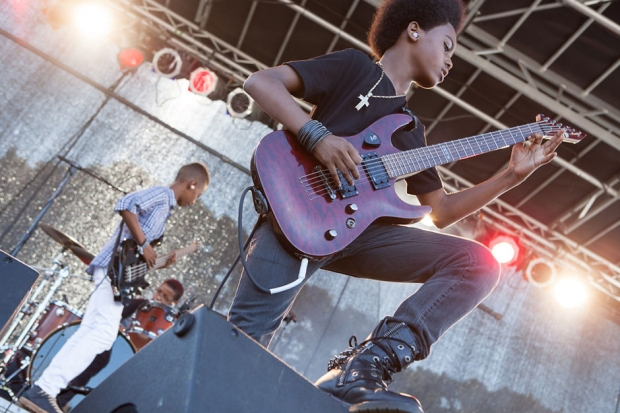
x=181, y=252
x=402, y=164
x=161, y=260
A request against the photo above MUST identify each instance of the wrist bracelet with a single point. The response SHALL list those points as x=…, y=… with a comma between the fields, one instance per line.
x=141, y=248
x=311, y=134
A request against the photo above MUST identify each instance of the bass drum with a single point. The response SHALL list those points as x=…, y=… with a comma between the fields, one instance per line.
x=103, y=365
x=56, y=314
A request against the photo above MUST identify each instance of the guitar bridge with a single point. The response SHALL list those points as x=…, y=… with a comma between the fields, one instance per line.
x=324, y=178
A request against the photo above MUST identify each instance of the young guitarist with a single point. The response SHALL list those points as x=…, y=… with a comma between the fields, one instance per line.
x=414, y=41
x=144, y=215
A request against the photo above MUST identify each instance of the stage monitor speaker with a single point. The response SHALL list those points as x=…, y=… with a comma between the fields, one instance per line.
x=203, y=364
x=16, y=279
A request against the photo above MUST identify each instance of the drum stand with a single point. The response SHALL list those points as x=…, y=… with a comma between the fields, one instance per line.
x=10, y=351
x=57, y=268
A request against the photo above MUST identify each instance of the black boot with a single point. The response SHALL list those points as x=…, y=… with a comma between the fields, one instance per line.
x=360, y=375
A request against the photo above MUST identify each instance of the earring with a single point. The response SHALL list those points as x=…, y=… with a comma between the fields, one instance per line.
x=192, y=186
x=415, y=35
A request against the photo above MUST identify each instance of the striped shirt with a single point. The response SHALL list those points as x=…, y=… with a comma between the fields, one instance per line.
x=153, y=206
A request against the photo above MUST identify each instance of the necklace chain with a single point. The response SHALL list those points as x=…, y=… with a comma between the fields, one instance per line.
x=364, y=99
x=402, y=95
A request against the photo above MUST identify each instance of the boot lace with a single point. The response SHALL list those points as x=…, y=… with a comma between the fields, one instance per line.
x=389, y=365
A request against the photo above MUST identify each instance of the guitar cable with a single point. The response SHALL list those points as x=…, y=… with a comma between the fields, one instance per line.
x=262, y=207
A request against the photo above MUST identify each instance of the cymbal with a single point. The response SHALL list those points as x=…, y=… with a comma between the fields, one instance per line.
x=68, y=243
x=84, y=256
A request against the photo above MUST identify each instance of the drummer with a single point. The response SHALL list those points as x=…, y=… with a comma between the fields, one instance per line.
x=169, y=293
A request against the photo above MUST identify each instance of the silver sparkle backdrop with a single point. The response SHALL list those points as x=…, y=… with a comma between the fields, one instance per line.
x=537, y=358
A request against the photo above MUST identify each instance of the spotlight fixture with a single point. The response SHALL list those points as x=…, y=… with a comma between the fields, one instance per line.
x=202, y=81
x=505, y=249
x=130, y=58
x=167, y=62
x=92, y=19
x=541, y=272
x=570, y=292
x=239, y=104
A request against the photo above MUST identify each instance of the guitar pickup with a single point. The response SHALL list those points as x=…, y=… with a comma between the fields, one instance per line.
x=376, y=170
x=345, y=191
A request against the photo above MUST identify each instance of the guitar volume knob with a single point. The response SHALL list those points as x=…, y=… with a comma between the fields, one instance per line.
x=351, y=208
x=331, y=234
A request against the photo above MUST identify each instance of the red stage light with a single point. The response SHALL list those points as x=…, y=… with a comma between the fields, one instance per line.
x=130, y=58
x=505, y=249
x=202, y=81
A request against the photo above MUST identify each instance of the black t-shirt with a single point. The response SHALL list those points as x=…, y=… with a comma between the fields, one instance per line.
x=333, y=83
x=132, y=306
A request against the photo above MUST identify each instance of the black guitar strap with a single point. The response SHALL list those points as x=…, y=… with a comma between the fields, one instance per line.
x=113, y=272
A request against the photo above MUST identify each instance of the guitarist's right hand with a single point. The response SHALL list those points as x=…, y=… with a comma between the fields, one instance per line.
x=149, y=256
x=336, y=153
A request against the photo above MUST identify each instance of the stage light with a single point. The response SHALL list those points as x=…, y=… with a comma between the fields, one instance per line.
x=427, y=221
x=202, y=81
x=239, y=104
x=167, y=62
x=505, y=249
x=570, y=292
x=130, y=58
x=92, y=19
x=540, y=272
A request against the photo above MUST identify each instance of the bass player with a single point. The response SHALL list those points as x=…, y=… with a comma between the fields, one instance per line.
x=144, y=214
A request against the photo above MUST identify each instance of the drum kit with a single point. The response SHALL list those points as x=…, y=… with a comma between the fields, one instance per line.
x=48, y=323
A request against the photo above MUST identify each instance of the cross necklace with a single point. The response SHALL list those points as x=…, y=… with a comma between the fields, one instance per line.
x=364, y=100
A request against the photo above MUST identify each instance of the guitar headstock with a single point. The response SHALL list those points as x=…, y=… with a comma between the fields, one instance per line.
x=550, y=127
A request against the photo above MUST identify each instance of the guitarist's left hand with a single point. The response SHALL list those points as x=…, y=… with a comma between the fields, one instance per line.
x=528, y=156
x=171, y=260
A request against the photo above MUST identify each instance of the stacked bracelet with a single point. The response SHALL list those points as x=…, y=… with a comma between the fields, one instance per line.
x=142, y=247
x=311, y=134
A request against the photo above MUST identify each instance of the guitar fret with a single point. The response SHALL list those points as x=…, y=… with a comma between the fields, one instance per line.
x=403, y=165
x=415, y=160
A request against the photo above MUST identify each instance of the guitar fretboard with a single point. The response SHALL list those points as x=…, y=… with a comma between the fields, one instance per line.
x=416, y=160
x=161, y=260
x=135, y=271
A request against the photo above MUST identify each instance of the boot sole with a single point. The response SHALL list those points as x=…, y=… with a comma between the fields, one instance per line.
x=384, y=407
x=30, y=406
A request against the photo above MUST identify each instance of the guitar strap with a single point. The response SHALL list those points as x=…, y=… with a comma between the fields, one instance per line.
x=113, y=272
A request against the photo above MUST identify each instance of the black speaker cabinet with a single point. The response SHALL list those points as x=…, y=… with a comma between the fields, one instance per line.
x=16, y=279
x=203, y=364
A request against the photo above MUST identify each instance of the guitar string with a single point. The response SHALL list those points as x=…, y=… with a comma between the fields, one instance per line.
x=317, y=176
x=433, y=147
x=160, y=261
x=328, y=184
x=142, y=268
x=395, y=163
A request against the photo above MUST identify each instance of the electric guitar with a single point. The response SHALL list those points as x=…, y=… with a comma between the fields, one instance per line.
x=313, y=218
x=128, y=270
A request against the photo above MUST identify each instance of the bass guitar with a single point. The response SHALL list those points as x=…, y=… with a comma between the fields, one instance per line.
x=313, y=218
x=128, y=270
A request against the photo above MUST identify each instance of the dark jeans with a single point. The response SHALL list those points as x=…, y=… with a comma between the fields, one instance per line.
x=457, y=274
